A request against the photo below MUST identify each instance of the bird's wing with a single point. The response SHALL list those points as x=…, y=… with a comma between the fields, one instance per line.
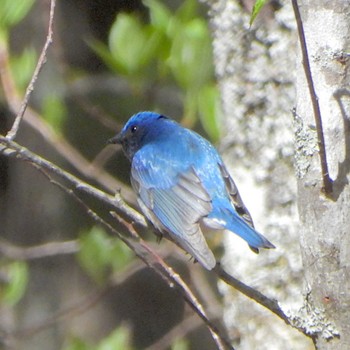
x=235, y=197
x=176, y=204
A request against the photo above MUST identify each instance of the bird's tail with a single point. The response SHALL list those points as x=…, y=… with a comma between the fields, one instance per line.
x=254, y=239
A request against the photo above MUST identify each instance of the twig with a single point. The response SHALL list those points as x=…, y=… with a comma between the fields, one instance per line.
x=42, y=59
x=98, y=114
x=78, y=308
x=81, y=306
x=153, y=260
x=175, y=281
x=57, y=142
x=40, y=251
x=327, y=182
x=205, y=289
x=12, y=149
x=270, y=304
x=178, y=332
x=141, y=249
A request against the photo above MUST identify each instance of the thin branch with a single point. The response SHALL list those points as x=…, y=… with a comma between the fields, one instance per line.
x=74, y=310
x=187, y=326
x=12, y=149
x=97, y=113
x=40, y=251
x=175, y=281
x=327, y=182
x=205, y=290
x=141, y=249
x=75, y=158
x=252, y=293
x=91, y=170
x=270, y=304
x=42, y=60
x=154, y=261
x=78, y=308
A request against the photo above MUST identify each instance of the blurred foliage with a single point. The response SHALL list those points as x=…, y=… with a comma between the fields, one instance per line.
x=99, y=253
x=54, y=111
x=75, y=343
x=15, y=275
x=173, y=46
x=180, y=344
x=22, y=67
x=11, y=13
x=119, y=339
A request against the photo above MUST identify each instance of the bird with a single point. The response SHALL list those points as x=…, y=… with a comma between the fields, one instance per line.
x=182, y=185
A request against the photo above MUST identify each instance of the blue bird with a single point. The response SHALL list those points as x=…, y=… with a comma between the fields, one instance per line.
x=182, y=183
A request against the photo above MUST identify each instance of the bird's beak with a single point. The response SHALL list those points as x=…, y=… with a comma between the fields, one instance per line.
x=116, y=139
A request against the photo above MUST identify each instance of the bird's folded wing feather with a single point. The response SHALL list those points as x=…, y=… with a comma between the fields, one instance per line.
x=178, y=203
x=235, y=197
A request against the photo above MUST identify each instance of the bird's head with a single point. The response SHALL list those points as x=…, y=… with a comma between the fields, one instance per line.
x=139, y=130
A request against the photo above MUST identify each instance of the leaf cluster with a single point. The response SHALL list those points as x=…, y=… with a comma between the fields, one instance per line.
x=172, y=47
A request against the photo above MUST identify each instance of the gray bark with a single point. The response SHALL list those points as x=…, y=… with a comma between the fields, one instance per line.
x=325, y=238
x=254, y=69
x=257, y=78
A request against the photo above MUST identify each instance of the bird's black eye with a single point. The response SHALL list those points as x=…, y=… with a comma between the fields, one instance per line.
x=133, y=129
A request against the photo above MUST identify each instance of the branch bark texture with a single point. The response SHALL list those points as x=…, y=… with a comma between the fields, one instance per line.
x=253, y=68
x=325, y=240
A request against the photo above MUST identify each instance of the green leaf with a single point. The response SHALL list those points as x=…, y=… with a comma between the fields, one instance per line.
x=17, y=274
x=132, y=44
x=191, y=55
x=120, y=255
x=13, y=11
x=256, y=9
x=54, y=111
x=187, y=11
x=100, y=253
x=159, y=14
x=94, y=253
x=119, y=339
x=22, y=67
x=209, y=107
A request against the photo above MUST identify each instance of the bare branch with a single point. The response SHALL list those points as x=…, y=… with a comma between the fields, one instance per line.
x=59, y=144
x=75, y=158
x=82, y=305
x=12, y=149
x=178, y=332
x=78, y=308
x=98, y=114
x=154, y=261
x=175, y=281
x=260, y=298
x=134, y=242
x=40, y=251
x=42, y=60
x=327, y=182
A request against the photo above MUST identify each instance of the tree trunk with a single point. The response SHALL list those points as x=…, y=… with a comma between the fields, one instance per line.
x=325, y=233
x=253, y=68
x=257, y=79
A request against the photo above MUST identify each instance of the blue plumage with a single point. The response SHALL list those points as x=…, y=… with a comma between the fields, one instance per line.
x=182, y=182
